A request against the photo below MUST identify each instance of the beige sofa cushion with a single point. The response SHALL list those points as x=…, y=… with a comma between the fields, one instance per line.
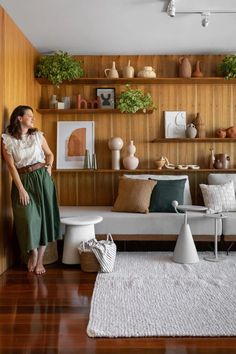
x=134, y=195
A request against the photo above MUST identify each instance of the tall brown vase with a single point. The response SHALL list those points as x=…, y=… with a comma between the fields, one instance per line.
x=200, y=125
x=185, y=68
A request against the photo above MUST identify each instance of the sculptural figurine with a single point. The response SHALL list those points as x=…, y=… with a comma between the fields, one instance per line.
x=115, y=145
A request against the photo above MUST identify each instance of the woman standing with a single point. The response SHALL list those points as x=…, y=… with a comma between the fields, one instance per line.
x=35, y=209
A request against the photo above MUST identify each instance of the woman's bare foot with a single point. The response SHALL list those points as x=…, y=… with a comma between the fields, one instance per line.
x=39, y=269
x=32, y=261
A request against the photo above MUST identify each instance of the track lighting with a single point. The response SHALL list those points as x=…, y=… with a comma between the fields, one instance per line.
x=171, y=8
x=205, y=18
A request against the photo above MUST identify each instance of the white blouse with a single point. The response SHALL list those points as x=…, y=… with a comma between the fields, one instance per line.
x=25, y=151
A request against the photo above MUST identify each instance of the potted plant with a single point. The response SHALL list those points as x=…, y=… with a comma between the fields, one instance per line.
x=133, y=100
x=59, y=67
x=228, y=66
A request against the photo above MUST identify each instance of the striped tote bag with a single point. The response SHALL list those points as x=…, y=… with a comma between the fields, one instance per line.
x=105, y=252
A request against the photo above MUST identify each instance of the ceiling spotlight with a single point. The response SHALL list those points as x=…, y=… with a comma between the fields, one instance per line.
x=205, y=18
x=171, y=8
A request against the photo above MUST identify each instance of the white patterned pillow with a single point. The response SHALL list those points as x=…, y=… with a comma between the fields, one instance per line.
x=219, y=197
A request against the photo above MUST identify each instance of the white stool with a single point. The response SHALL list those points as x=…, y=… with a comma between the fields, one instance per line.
x=77, y=229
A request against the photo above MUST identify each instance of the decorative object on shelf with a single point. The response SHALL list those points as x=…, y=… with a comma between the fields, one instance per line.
x=128, y=71
x=175, y=124
x=133, y=100
x=112, y=73
x=106, y=97
x=73, y=139
x=147, y=72
x=172, y=166
x=94, y=162
x=228, y=66
x=197, y=72
x=191, y=131
x=222, y=161
x=160, y=163
x=221, y=133
x=82, y=103
x=53, y=101
x=87, y=161
x=60, y=105
x=131, y=162
x=200, y=126
x=185, y=68
x=211, y=158
x=231, y=132
x=115, y=144
x=66, y=100
x=59, y=67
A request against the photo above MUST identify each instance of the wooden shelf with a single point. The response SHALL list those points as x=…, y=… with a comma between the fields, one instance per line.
x=146, y=170
x=143, y=81
x=195, y=140
x=86, y=111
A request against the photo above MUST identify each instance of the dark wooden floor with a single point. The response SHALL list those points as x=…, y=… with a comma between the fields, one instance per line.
x=49, y=314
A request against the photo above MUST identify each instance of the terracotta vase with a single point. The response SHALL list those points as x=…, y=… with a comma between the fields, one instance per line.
x=231, y=132
x=185, y=68
x=130, y=162
x=128, y=71
x=112, y=73
x=197, y=72
x=221, y=133
x=200, y=126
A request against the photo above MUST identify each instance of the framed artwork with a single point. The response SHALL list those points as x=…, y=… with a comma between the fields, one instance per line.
x=73, y=139
x=175, y=124
x=107, y=97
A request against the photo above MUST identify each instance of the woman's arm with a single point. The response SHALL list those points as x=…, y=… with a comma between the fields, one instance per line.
x=48, y=155
x=23, y=195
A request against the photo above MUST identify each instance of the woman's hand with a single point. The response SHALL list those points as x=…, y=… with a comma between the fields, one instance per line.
x=49, y=169
x=24, y=197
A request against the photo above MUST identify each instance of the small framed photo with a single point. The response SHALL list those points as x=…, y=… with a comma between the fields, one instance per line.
x=107, y=97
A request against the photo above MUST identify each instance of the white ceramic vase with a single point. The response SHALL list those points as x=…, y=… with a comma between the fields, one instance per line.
x=115, y=144
x=130, y=162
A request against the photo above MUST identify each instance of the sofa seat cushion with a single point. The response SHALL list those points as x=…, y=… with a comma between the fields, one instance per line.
x=142, y=224
x=229, y=224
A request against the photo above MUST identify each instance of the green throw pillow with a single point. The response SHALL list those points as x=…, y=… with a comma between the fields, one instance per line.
x=164, y=193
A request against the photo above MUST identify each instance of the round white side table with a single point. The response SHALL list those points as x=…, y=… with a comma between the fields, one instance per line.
x=216, y=258
x=185, y=249
x=78, y=229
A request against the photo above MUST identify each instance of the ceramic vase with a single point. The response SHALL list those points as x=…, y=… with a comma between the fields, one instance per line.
x=112, y=73
x=147, y=72
x=128, y=71
x=115, y=145
x=185, y=68
x=53, y=101
x=200, y=126
x=130, y=162
x=197, y=72
x=191, y=131
x=211, y=158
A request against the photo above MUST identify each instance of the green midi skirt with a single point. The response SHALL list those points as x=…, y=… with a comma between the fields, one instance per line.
x=38, y=222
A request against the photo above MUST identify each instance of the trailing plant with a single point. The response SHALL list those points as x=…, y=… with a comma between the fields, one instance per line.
x=59, y=67
x=228, y=66
x=133, y=100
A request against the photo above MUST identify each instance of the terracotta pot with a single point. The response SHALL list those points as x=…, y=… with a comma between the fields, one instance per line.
x=197, y=72
x=221, y=133
x=231, y=132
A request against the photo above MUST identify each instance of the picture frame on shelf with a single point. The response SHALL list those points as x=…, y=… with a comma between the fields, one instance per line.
x=107, y=97
x=175, y=124
x=75, y=139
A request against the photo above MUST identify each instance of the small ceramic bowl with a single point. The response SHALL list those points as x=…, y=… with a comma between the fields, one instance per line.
x=159, y=164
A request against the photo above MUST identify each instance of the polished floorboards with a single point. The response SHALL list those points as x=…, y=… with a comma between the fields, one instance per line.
x=49, y=314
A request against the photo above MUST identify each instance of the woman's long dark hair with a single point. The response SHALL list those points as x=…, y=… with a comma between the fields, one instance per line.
x=14, y=128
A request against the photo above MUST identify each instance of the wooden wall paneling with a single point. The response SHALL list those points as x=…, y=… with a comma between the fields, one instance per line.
x=18, y=86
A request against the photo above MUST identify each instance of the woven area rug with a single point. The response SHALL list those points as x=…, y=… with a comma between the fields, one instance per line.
x=149, y=295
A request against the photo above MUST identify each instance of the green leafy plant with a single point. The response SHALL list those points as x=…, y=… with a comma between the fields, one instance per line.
x=59, y=67
x=228, y=66
x=133, y=100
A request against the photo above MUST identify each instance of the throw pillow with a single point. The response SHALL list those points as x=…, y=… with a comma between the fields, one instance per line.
x=164, y=193
x=219, y=197
x=133, y=195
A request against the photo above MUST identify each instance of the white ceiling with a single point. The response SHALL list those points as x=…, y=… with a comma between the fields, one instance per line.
x=124, y=26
